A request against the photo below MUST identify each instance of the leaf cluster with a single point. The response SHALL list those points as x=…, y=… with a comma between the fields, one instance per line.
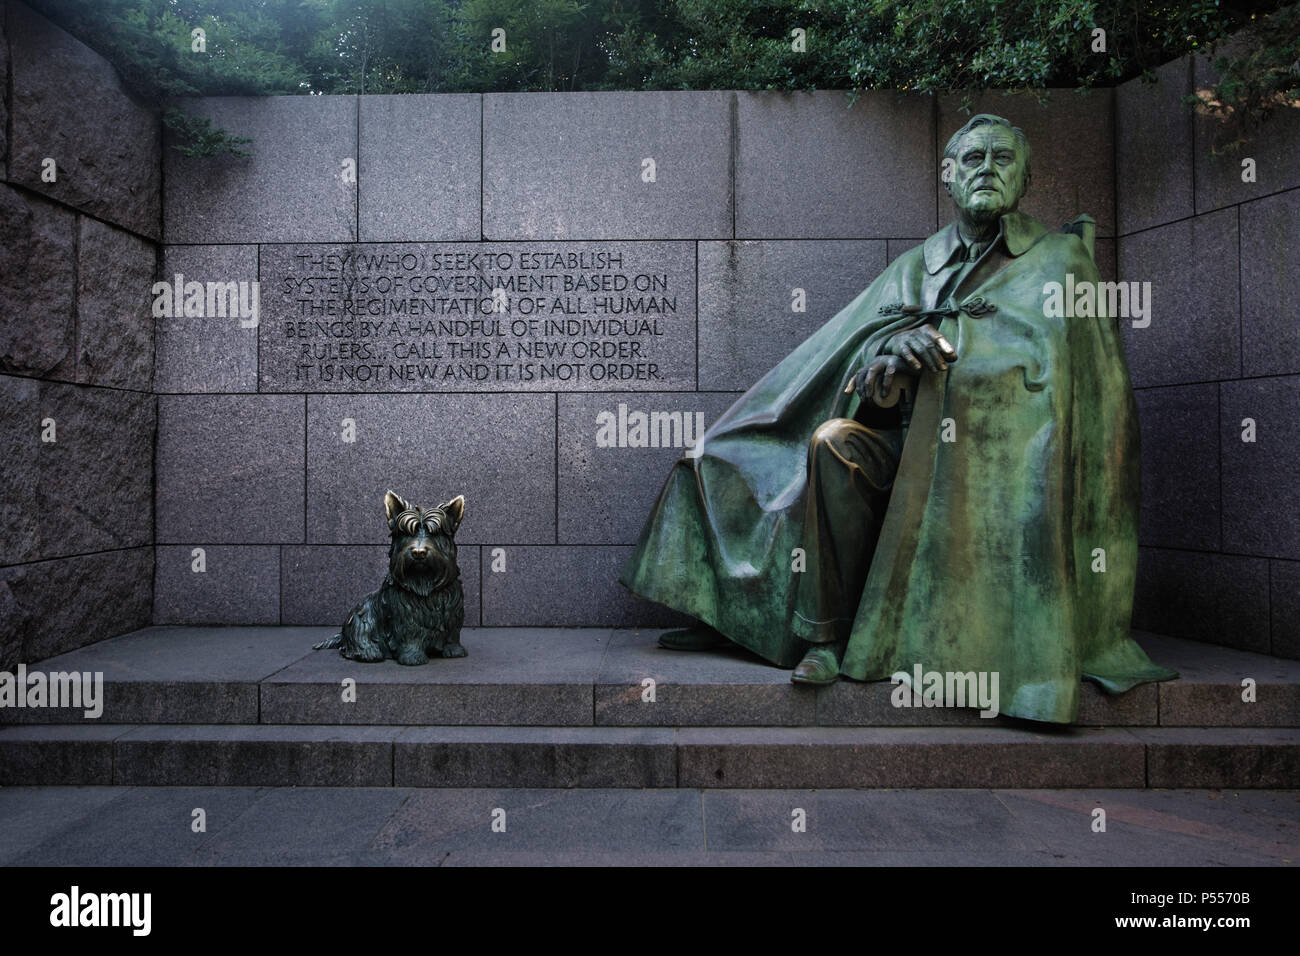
x=254, y=47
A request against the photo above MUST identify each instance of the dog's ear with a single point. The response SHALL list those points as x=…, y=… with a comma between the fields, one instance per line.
x=455, y=510
x=394, y=506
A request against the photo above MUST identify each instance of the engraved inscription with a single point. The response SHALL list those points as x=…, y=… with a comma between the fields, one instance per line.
x=447, y=317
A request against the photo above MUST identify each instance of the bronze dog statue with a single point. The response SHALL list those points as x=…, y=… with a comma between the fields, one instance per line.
x=418, y=611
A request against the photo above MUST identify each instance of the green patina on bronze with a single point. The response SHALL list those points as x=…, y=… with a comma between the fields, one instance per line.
x=990, y=548
x=419, y=609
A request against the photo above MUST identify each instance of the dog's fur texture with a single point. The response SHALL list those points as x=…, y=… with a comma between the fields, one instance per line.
x=418, y=611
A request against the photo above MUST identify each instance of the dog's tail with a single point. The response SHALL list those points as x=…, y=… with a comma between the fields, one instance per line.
x=335, y=641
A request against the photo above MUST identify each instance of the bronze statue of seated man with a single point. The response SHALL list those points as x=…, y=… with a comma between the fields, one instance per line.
x=985, y=522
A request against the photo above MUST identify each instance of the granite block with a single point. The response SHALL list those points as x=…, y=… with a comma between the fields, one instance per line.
x=342, y=821
x=20, y=439
x=840, y=821
x=1104, y=253
x=896, y=247
x=478, y=317
x=239, y=584
x=1138, y=707
x=1284, y=607
x=1159, y=827
x=160, y=702
x=607, y=488
x=853, y=704
x=206, y=353
x=33, y=816
x=69, y=105
x=295, y=186
x=626, y=857
x=1073, y=145
x=747, y=322
x=115, y=274
x=58, y=755
x=573, y=165
x=534, y=757
x=1255, y=758
x=519, y=676
x=1270, y=301
x=11, y=627
x=1210, y=692
x=145, y=826
x=167, y=675
x=1259, y=477
x=434, y=823
x=95, y=489
x=850, y=703
x=230, y=469
x=719, y=688
x=956, y=757
x=4, y=100
x=928, y=858
x=112, y=591
x=496, y=450
x=409, y=704
x=1180, y=466
x=1194, y=320
x=320, y=584
x=564, y=586
x=1216, y=598
x=192, y=654
x=420, y=169
x=1153, y=149
x=38, y=280
x=1273, y=147
x=254, y=756
x=870, y=175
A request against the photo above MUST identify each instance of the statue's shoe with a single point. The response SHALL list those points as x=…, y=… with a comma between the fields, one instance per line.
x=819, y=666
x=699, y=637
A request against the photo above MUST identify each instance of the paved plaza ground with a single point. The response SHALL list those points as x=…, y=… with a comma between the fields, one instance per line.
x=250, y=826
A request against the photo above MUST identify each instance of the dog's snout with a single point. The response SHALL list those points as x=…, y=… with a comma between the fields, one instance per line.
x=419, y=553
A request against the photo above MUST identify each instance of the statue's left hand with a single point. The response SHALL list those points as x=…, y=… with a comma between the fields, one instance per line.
x=922, y=347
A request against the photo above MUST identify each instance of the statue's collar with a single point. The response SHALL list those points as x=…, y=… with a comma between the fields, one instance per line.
x=1016, y=230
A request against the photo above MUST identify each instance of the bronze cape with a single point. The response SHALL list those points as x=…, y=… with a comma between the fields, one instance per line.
x=1018, y=477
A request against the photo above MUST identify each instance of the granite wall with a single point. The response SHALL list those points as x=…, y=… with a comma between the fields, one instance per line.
x=80, y=223
x=694, y=239
x=664, y=250
x=1218, y=370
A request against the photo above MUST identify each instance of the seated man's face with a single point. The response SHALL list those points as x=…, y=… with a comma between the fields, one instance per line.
x=989, y=179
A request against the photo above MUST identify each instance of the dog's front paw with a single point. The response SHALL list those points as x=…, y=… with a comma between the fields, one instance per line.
x=454, y=650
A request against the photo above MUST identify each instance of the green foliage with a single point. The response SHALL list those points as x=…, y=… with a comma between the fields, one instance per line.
x=923, y=45
x=381, y=46
x=252, y=47
x=735, y=44
x=194, y=135
x=1258, y=74
x=935, y=46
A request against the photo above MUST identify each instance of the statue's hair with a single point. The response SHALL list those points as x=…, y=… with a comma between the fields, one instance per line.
x=988, y=119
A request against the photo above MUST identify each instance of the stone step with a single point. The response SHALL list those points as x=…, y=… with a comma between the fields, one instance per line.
x=558, y=677
x=705, y=757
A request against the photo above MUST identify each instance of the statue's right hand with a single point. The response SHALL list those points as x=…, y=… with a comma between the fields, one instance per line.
x=879, y=375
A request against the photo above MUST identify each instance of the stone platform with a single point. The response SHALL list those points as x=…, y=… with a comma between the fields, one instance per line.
x=565, y=708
